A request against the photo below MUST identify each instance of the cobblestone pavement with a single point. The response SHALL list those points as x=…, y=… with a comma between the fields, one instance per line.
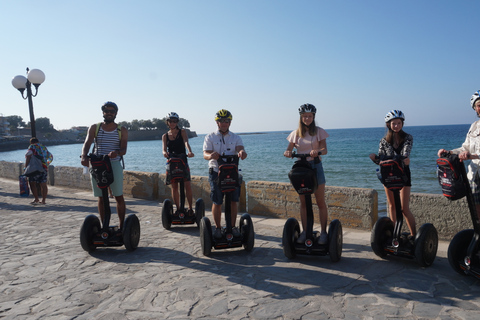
x=45, y=274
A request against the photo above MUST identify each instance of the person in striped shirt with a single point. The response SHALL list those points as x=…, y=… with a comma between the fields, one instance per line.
x=109, y=139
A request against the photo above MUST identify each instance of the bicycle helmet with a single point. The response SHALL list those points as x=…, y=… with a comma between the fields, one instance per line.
x=110, y=104
x=474, y=98
x=394, y=114
x=173, y=115
x=223, y=114
x=307, y=107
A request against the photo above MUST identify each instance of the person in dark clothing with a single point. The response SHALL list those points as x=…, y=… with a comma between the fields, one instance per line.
x=176, y=141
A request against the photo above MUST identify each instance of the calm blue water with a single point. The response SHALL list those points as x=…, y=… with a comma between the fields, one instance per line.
x=346, y=164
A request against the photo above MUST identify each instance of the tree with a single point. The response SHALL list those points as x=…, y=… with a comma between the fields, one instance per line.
x=43, y=124
x=15, y=122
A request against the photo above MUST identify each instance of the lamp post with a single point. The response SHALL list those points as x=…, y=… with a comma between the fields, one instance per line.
x=35, y=77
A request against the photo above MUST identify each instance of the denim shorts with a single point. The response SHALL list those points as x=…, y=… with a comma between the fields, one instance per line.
x=320, y=173
x=116, y=186
x=216, y=194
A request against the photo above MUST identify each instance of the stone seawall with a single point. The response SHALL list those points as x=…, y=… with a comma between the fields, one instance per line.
x=354, y=207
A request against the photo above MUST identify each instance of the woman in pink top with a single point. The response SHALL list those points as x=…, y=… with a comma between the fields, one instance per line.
x=310, y=139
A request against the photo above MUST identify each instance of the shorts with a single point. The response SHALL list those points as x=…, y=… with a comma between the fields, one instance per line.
x=320, y=173
x=216, y=195
x=116, y=186
x=475, y=185
x=39, y=177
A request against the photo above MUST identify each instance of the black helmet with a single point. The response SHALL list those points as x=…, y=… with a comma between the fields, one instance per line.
x=110, y=104
x=307, y=107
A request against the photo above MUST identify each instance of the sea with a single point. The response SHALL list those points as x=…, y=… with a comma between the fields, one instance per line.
x=346, y=165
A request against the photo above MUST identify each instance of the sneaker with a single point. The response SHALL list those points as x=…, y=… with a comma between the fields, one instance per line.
x=190, y=213
x=236, y=233
x=302, y=237
x=218, y=233
x=323, y=239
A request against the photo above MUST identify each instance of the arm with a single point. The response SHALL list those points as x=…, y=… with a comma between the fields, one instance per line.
x=322, y=147
x=164, y=145
x=242, y=154
x=210, y=155
x=288, y=152
x=87, y=144
x=187, y=145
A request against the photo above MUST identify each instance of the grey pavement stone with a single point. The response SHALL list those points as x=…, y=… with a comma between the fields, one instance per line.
x=45, y=274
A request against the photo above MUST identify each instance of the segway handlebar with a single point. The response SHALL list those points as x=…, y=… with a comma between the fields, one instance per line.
x=228, y=159
x=176, y=155
x=303, y=155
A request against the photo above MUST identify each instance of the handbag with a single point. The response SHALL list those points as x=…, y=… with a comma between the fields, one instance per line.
x=35, y=166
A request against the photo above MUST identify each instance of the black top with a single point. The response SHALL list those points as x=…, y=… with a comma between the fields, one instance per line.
x=177, y=145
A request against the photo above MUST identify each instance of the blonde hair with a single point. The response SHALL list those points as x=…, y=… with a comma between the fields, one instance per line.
x=302, y=128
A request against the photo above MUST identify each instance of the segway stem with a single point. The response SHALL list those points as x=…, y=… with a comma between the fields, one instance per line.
x=398, y=214
x=182, y=196
x=106, y=207
x=228, y=212
x=310, y=219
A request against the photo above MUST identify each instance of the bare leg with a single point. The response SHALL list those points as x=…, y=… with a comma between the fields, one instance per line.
x=188, y=192
x=322, y=206
x=391, y=205
x=217, y=214
x=175, y=195
x=303, y=212
x=44, y=188
x=121, y=210
x=233, y=213
x=405, y=199
x=33, y=187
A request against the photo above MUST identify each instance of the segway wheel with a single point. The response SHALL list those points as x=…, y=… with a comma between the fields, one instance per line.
x=335, y=240
x=457, y=250
x=248, y=234
x=167, y=212
x=199, y=211
x=90, y=227
x=131, y=232
x=382, y=235
x=291, y=230
x=206, y=237
x=426, y=245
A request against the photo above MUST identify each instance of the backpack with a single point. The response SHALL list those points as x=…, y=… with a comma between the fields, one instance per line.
x=228, y=177
x=119, y=131
x=101, y=169
x=303, y=178
x=393, y=174
x=450, y=178
x=177, y=169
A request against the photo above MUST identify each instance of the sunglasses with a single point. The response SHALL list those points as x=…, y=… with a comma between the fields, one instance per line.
x=112, y=111
x=224, y=120
x=173, y=120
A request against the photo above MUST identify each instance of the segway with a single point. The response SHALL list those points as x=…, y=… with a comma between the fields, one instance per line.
x=178, y=171
x=92, y=235
x=228, y=181
x=387, y=238
x=304, y=180
x=464, y=248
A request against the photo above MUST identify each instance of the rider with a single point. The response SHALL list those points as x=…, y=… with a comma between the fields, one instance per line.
x=310, y=139
x=470, y=149
x=176, y=141
x=222, y=142
x=397, y=142
x=108, y=142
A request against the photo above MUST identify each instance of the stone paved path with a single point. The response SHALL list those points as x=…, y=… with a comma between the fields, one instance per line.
x=45, y=274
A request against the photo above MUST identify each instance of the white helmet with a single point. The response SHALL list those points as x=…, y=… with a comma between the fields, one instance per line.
x=173, y=115
x=474, y=98
x=394, y=114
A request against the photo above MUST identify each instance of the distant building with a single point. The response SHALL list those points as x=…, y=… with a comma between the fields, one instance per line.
x=4, y=126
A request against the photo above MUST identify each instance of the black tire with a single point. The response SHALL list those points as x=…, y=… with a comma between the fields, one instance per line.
x=167, y=212
x=457, y=250
x=426, y=245
x=247, y=231
x=291, y=230
x=335, y=240
x=206, y=237
x=131, y=232
x=199, y=211
x=90, y=227
x=382, y=235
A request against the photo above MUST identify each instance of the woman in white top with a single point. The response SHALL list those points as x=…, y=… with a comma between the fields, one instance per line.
x=310, y=139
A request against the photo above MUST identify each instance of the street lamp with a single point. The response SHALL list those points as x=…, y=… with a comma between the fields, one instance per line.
x=35, y=77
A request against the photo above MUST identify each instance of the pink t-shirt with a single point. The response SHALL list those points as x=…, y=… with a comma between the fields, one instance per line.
x=307, y=144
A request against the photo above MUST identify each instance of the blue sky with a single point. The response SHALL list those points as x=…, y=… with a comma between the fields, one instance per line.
x=354, y=60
